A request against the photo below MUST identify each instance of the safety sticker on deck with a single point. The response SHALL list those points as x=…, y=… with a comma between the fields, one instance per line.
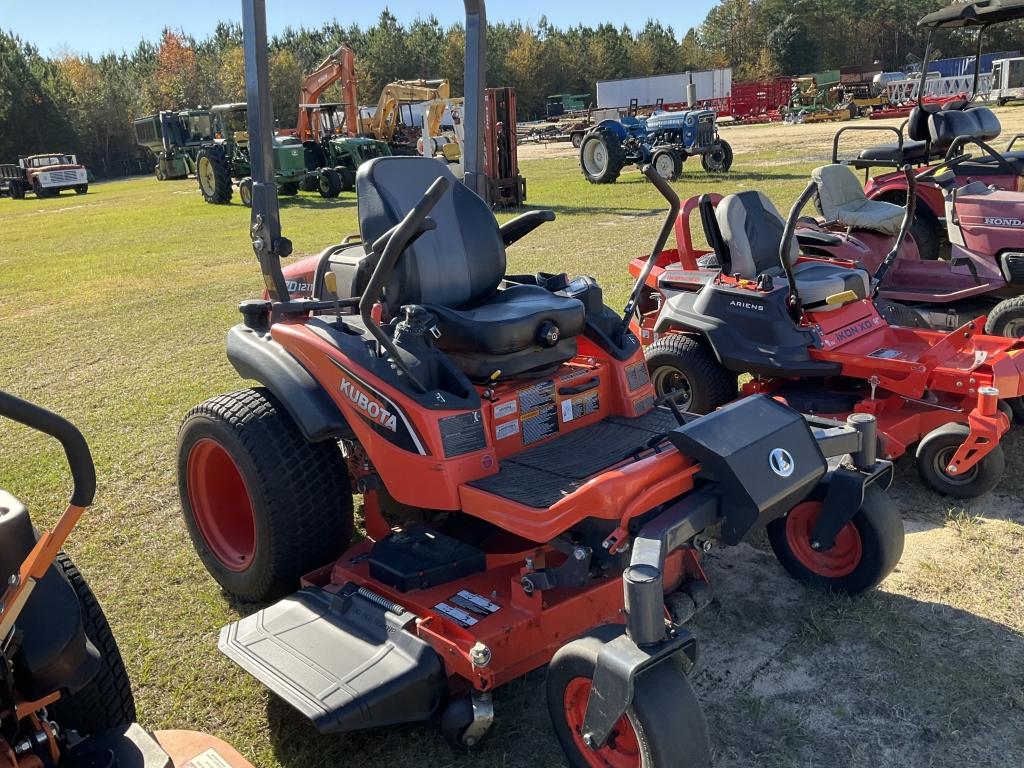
x=461, y=618
x=209, y=759
x=886, y=354
x=474, y=602
x=507, y=429
x=501, y=410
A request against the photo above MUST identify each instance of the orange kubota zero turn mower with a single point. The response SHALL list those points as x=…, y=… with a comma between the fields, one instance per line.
x=65, y=698
x=808, y=330
x=525, y=502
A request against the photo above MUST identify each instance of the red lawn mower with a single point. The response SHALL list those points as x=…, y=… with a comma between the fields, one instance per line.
x=807, y=329
x=65, y=698
x=941, y=133
x=525, y=502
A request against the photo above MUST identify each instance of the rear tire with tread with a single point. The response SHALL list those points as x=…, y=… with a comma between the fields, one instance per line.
x=330, y=183
x=106, y=701
x=299, y=492
x=601, y=156
x=213, y=175
x=719, y=161
x=682, y=363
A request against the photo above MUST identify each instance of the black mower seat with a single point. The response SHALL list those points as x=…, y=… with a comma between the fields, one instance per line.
x=455, y=272
x=749, y=230
x=948, y=125
x=913, y=152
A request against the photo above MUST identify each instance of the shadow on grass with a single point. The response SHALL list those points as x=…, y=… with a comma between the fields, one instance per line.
x=315, y=202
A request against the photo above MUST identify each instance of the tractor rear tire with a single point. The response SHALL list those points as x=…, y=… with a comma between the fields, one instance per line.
x=245, y=191
x=667, y=163
x=866, y=549
x=288, y=188
x=17, y=191
x=601, y=156
x=263, y=505
x=213, y=176
x=664, y=724
x=685, y=368
x=718, y=160
x=938, y=447
x=1007, y=319
x=577, y=140
x=106, y=701
x=310, y=183
x=329, y=183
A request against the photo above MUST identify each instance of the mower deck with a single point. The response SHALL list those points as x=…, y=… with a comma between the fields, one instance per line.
x=540, y=476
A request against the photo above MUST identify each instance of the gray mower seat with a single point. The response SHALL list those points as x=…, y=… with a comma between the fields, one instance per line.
x=455, y=271
x=751, y=230
x=840, y=199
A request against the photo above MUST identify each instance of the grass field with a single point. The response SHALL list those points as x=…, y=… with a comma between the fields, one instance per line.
x=113, y=311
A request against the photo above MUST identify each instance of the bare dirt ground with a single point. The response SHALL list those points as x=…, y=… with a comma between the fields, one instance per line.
x=806, y=143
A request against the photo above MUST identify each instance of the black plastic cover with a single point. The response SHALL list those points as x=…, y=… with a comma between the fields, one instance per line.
x=344, y=661
x=127, y=746
x=761, y=454
x=418, y=557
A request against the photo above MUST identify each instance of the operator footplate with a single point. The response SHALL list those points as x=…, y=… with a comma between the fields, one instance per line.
x=346, y=661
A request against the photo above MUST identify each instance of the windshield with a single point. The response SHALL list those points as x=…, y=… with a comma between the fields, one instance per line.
x=199, y=127
x=45, y=160
x=234, y=121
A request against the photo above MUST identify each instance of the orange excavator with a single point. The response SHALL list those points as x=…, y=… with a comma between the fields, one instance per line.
x=340, y=65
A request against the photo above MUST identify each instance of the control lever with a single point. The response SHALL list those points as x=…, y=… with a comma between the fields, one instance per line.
x=666, y=229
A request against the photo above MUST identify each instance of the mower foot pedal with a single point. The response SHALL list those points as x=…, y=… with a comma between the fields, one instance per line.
x=345, y=661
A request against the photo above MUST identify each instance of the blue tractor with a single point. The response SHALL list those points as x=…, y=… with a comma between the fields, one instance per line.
x=665, y=140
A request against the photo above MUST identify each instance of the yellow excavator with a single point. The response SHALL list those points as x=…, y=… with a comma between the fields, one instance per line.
x=386, y=122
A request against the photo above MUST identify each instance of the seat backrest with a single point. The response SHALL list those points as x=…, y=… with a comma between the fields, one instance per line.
x=917, y=123
x=946, y=126
x=837, y=187
x=753, y=228
x=713, y=234
x=456, y=265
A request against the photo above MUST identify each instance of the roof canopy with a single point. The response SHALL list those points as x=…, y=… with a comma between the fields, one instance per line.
x=961, y=14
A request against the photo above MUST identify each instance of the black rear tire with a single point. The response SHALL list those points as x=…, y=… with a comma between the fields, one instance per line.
x=245, y=191
x=685, y=367
x=719, y=160
x=298, y=493
x=288, y=188
x=106, y=701
x=17, y=191
x=577, y=140
x=1007, y=319
x=81, y=189
x=665, y=716
x=601, y=156
x=330, y=183
x=213, y=175
x=938, y=447
x=348, y=178
x=310, y=183
x=867, y=549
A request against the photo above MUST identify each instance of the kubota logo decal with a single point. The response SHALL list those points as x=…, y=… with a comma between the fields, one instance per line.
x=999, y=221
x=373, y=410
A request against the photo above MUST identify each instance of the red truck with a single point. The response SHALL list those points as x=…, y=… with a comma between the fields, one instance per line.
x=45, y=174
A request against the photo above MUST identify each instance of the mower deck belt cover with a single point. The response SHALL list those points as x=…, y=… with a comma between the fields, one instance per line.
x=762, y=455
x=419, y=558
x=343, y=660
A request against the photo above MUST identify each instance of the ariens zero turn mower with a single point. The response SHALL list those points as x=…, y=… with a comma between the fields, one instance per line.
x=525, y=502
x=65, y=698
x=808, y=330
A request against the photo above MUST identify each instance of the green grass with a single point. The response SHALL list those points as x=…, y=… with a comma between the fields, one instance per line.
x=113, y=311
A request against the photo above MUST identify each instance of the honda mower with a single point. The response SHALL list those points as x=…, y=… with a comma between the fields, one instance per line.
x=808, y=330
x=525, y=503
x=934, y=131
x=65, y=698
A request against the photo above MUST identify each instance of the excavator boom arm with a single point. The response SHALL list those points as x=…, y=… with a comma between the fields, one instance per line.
x=340, y=65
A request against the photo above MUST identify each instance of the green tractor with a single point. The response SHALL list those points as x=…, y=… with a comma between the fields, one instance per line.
x=333, y=157
x=175, y=138
x=225, y=158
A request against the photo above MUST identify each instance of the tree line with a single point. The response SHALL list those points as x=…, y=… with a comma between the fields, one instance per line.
x=85, y=104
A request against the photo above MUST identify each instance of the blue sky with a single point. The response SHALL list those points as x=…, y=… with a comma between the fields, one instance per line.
x=103, y=25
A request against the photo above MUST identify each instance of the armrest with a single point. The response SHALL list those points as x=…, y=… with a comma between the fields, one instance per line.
x=522, y=225
x=820, y=239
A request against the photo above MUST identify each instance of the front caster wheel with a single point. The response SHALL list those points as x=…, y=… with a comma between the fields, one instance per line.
x=937, y=449
x=664, y=726
x=865, y=551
